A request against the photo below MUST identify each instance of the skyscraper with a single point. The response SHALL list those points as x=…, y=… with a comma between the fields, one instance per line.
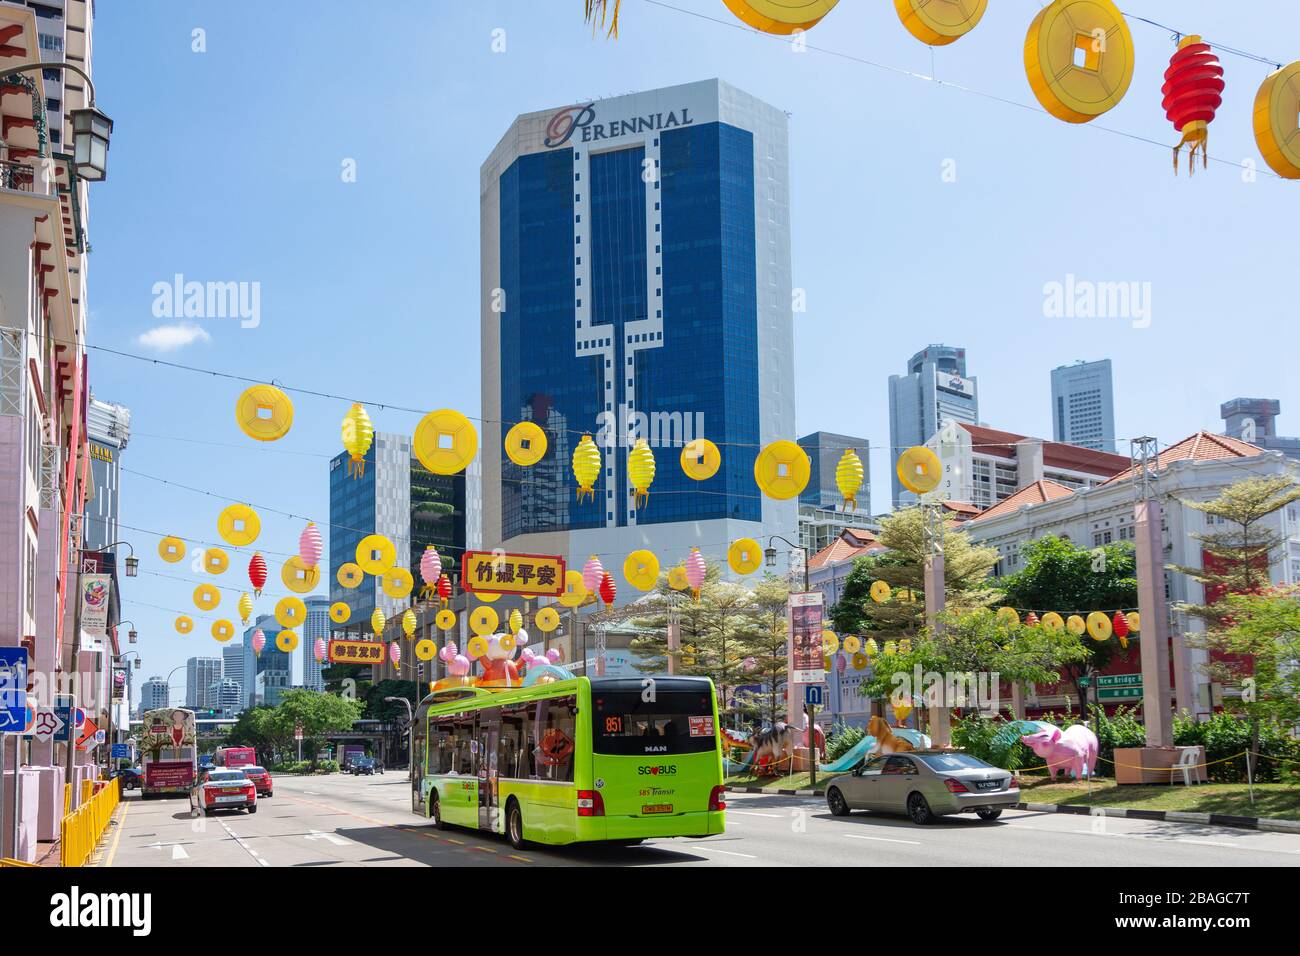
x=934, y=389
x=316, y=626
x=273, y=665
x=1083, y=405
x=822, y=515
x=1255, y=420
x=154, y=693
x=200, y=673
x=232, y=667
x=108, y=426
x=225, y=695
x=636, y=284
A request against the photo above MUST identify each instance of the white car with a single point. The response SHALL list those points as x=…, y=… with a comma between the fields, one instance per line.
x=223, y=789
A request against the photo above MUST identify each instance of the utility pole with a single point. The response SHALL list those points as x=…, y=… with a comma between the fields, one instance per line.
x=1154, y=641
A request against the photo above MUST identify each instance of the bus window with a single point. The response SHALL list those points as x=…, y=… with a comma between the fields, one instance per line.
x=673, y=723
x=463, y=746
x=552, y=739
x=512, y=760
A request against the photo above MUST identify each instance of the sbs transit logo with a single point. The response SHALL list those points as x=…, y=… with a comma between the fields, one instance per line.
x=560, y=129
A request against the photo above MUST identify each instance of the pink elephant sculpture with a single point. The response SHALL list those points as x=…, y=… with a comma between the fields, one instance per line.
x=1074, y=749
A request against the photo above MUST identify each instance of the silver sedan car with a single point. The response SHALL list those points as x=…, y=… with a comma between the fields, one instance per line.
x=924, y=784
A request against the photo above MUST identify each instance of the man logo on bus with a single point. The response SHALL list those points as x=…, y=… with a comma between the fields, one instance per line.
x=560, y=129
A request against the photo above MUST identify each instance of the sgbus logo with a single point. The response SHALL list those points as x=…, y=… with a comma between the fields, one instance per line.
x=658, y=770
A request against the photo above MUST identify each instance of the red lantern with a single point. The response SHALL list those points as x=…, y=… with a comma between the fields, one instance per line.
x=1120, y=624
x=1031, y=619
x=608, y=590
x=257, y=573
x=444, y=589
x=1193, y=93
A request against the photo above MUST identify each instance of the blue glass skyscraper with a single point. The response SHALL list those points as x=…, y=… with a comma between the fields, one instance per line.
x=636, y=284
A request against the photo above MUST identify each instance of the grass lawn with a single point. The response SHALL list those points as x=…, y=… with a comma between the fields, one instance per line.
x=1271, y=799
x=794, y=781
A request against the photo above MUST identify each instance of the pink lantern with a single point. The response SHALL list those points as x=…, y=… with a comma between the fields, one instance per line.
x=430, y=568
x=748, y=664
x=695, y=571
x=309, y=545
x=592, y=573
x=395, y=653
x=259, y=642
x=320, y=650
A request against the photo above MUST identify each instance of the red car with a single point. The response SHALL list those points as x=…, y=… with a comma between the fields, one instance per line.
x=261, y=780
x=223, y=789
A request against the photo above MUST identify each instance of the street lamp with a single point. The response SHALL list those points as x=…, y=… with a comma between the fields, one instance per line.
x=769, y=555
x=410, y=738
x=90, y=127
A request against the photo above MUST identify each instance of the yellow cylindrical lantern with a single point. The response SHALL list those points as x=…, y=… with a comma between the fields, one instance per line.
x=848, y=477
x=409, y=623
x=377, y=622
x=641, y=472
x=586, y=467
x=245, y=607
x=515, y=621
x=358, y=433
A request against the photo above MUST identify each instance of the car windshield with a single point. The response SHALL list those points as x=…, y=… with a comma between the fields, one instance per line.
x=955, y=762
x=226, y=776
x=254, y=771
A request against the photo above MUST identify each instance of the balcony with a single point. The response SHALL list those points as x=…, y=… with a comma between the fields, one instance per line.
x=20, y=176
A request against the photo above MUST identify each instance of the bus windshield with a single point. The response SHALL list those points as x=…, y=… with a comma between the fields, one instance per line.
x=671, y=723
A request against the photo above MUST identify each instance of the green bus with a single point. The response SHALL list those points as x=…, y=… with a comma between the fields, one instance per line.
x=574, y=760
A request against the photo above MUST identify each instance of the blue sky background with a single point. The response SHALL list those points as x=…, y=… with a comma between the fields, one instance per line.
x=225, y=166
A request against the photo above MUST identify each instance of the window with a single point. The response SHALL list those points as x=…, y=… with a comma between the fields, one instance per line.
x=899, y=765
x=675, y=723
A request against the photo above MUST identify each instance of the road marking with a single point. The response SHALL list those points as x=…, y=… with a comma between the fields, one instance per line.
x=261, y=861
x=178, y=852
x=121, y=825
x=755, y=813
x=859, y=836
x=332, y=838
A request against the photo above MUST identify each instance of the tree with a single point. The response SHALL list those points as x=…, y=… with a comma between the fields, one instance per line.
x=250, y=730
x=1259, y=651
x=768, y=636
x=1060, y=576
x=849, y=613
x=316, y=712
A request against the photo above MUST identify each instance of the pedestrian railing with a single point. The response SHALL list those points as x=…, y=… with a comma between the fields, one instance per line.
x=83, y=827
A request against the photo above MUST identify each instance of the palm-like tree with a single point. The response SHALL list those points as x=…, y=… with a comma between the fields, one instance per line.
x=602, y=10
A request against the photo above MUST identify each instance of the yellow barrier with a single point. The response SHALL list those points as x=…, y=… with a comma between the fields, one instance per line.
x=5, y=861
x=82, y=828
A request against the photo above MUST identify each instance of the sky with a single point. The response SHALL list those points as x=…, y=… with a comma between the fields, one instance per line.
x=922, y=212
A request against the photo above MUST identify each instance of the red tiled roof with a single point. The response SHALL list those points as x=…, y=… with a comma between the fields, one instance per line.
x=961, y=507
x=1036, y=494
x=1202, y=446
x=842, y=549
x=992, y=441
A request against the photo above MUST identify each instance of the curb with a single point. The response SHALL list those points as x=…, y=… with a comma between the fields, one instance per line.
x=781, y=791
x=1270, y=824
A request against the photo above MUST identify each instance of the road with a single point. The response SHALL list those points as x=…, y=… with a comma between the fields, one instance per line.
x=366, y=821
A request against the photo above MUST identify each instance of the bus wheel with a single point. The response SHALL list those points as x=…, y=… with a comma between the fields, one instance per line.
x=515, y=826
x=436, y=812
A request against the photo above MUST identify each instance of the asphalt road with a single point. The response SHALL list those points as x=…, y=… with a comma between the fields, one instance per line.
x=366, y=821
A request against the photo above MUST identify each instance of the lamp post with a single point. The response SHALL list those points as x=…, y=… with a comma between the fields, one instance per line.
x=769, y=558
x=108, y=760
x=91, y=128
x=410, y=738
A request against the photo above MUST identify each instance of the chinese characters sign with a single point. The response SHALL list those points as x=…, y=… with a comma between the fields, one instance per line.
x=496, y=572
x=355, y=652
x=806, y=663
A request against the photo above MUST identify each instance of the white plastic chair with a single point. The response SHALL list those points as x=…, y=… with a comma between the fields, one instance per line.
x=1187, y=763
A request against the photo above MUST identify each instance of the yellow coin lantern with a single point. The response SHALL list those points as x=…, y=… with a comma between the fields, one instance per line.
x=860, y=661
x=830, y=642
x=1134, y=621
x=397, y=583
x=781, y=470
x=1053, y=621
x=206, y=597
x=586, y=467
x=919, y=470
x=297, y=577
x=700, y=459
x=264, y=412
x=1008, y=615
x=425, y=649
x=375, y=554
x=445, y=442
x=677, y=579
x=171, y=549
x=852, y=644
x=547, y=619
x=238, y=525
x=184, y=624
x=215, y=561
x=409, y=623
x=781, y=17
x=848, y=477
x=575, y=592
x=1099, y=626
x=445, y=619
x=287, y=641
x=290, y=611
x=641, y=472
x=1277, y=121
x=1079, y=58
x=349, y=575
x=525, y=443
x=940, y=22
x=378, y=621
x=641, y=570
x=488, y=597
x=506, y=642
x=1076, y=625
x=340, y=612
x=880, y=592
x=223, y=630
x=483, y=621
x=744, y=556
x=476, y=646
x=357, y=433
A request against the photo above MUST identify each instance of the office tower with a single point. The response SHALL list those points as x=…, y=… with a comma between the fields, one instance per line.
x=108, y=426
x=1083, y=405
x=1255, y=420
x=200, y=672
x=934, y=389
x=316, y=626
x=636, y=284
x=269, y=674
x=225, y=695
x=232, y=666
x=154, y=693
x=822, y=516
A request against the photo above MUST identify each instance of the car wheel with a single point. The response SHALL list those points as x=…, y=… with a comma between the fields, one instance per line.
x=515, y=826
x=918, y=808
x=989, y=813
x=207, y=813
x=252, y=808
x=835, y=800
x=435, y=812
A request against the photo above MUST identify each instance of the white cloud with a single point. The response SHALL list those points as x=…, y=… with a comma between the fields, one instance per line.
x=169, y=338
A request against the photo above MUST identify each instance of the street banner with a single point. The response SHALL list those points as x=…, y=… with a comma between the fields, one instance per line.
x=355, y=652
x=806, y=660
x=94, y=604
x=496, y=572
x=119, y=682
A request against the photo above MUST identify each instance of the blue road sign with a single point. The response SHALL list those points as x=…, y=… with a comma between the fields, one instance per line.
x=13, y=690
x=121, y=751
x=813, y=695
x=67, y=716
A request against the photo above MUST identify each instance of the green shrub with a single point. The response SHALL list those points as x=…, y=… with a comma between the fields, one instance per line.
x=1226, y=736
x=841, y=740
